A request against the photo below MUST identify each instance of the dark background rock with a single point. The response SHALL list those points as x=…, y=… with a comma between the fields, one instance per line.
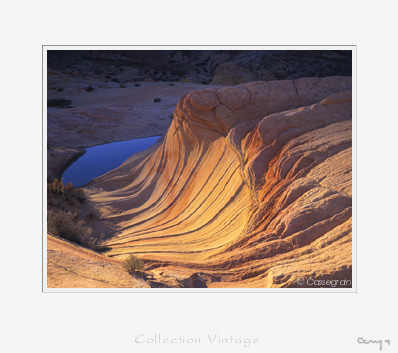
x=198, y=66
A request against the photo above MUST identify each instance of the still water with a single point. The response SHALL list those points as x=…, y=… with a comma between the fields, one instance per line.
x=99, y=160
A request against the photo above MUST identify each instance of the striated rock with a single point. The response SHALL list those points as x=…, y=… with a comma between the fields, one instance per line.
x=251, y=187
x=274, y=131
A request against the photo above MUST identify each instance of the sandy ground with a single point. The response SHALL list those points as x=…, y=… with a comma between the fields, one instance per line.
x=131, y=95
x=113, y=114
x=72, y=266
x=106, y=115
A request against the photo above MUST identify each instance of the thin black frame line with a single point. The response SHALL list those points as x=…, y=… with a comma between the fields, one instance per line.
x=239, y=292
x=42, y=169
x=205, y=291
x=199, y=45
x=356, y=170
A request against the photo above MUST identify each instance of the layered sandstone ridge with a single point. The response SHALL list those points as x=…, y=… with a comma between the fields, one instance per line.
x=251, y=187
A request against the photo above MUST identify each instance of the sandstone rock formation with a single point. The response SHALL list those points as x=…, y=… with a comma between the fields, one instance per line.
x=251, y=187
x=230, y=74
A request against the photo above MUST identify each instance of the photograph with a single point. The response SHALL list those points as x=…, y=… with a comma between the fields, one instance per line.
x=221, y=168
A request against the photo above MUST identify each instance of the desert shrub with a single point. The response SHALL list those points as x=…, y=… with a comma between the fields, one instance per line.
x=92, y=215
x=89, y=88
x=58, y=188
x=95, y=244
x=156, y=100
x=78, y=194
x=132, y=263
x=65, y=225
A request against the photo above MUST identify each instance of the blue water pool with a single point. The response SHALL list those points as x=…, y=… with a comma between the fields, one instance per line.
x=99, y=160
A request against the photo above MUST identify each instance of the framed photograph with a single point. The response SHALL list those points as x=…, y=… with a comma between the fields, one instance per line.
x=216, y=169
x=189, y=177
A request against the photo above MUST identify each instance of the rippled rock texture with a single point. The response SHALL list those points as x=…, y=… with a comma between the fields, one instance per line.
x=251, y=187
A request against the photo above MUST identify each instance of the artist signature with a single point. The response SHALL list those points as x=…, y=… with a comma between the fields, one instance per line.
x=362, y=340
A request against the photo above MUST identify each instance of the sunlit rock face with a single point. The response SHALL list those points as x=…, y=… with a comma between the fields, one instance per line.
x=251, y=187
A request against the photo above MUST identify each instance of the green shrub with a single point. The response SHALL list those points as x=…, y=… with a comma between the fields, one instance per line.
x=132, y=263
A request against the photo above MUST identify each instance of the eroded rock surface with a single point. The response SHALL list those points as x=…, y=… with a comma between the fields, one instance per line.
x=59, y=159
x=72, y=266
x=230, y=73
x=251, y=187
x=115, y=114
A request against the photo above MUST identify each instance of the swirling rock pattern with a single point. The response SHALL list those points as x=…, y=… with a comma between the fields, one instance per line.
x=251, y=187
